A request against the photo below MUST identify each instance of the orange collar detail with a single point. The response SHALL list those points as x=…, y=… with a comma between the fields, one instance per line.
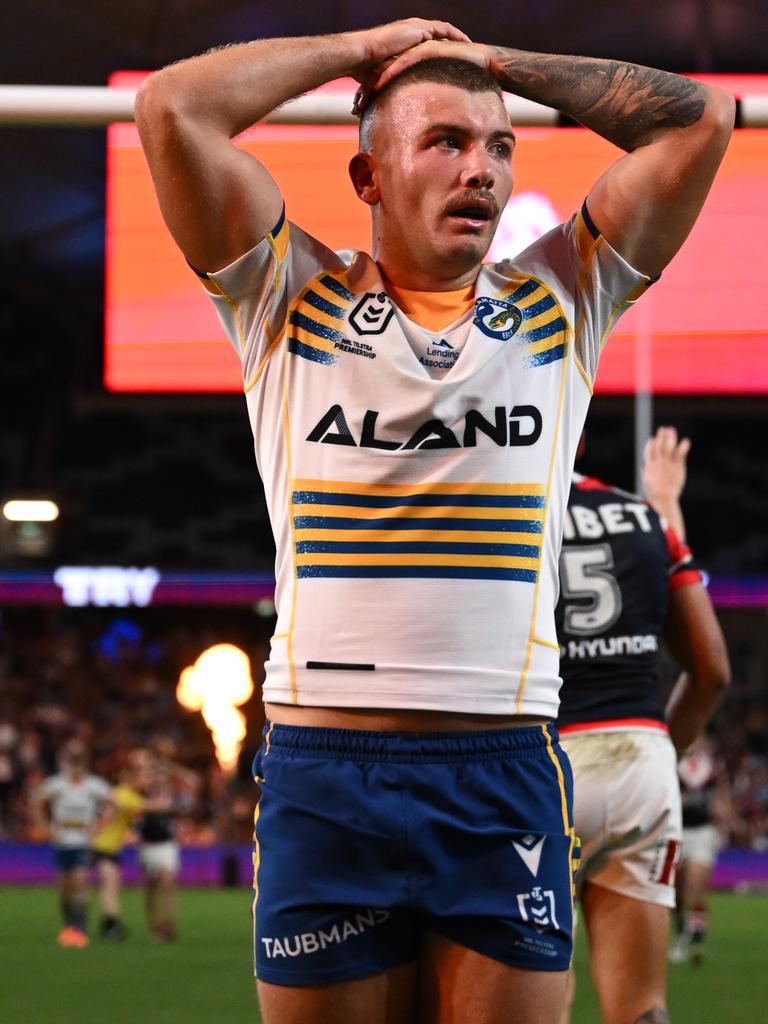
x=432, y=310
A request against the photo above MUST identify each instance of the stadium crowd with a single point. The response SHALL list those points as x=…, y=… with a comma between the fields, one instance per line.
x=111, y=683
x=109, y=679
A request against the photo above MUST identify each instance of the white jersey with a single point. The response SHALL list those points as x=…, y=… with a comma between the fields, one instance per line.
x=74, y=806
x=417, y=519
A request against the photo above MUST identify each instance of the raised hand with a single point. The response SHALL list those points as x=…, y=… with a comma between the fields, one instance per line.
x=665, y=465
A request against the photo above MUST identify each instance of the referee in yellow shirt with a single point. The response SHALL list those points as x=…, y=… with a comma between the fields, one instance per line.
x=125, y=803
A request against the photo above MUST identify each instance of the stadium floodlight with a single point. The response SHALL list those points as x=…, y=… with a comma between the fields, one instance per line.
x=28, y=527
x=27, y=510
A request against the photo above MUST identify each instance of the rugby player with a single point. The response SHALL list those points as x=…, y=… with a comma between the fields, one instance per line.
x=67, y=806
x=702, y=782
x=118, y=813
x=169, y=785
x=626, y=580
x=704, y=792
x=414, y=840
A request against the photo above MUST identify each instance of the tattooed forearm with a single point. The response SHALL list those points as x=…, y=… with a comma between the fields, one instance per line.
x=625, y=103
x=657, y=1015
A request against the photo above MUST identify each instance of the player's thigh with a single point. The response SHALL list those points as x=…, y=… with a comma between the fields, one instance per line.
x=109, y=873
x=628, y=952
x=460, y=986
x=386, y=998
x=79, y=878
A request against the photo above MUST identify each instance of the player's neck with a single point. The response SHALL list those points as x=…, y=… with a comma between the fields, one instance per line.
x=423, y=279
x=409, y=261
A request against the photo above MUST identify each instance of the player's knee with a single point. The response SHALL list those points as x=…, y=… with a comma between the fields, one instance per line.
x=656, y=1015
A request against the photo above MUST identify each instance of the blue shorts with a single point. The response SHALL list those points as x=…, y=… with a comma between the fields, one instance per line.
x=365, y=840
x=67, y=858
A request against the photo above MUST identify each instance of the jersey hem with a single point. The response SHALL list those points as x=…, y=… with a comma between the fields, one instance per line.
x=404, y=701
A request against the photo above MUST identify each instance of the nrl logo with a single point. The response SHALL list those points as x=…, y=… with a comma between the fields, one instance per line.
x=372, y=313
x=497, y=318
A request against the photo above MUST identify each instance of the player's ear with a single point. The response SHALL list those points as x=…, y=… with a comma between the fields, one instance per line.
x=362, y=171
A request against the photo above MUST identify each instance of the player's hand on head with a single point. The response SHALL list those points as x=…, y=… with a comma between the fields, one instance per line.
x=463, y=49
x=665, y=465
x=387, y=41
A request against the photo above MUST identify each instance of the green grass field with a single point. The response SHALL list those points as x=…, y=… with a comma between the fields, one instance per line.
x=206, y=975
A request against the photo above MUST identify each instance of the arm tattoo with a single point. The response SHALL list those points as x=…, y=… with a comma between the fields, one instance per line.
x=625, y=103
x=657, y=1015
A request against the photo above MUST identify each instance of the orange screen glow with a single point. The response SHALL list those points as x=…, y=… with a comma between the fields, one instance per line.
x=704, y=324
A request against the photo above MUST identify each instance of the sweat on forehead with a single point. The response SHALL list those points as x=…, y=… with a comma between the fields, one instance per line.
x=442, y=70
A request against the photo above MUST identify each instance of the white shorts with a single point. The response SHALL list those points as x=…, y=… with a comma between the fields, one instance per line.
x=157, y=857
x=701, y=844
x=627, y=812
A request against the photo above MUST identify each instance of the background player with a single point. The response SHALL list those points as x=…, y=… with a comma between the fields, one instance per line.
x=168, y=785
x=66, y=805
x=702, y=781
x=626, y=578
x=120, y=810
x=379, y=474
x=703, y=788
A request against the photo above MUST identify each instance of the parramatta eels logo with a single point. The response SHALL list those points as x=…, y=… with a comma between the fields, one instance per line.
x=497, y=318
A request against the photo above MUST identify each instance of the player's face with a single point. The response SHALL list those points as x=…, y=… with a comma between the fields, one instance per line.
x=444, y=160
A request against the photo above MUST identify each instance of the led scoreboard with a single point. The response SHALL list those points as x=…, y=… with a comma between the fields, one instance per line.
x=703, y=328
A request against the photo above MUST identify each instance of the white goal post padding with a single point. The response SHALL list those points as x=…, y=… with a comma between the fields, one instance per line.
x=98, y=105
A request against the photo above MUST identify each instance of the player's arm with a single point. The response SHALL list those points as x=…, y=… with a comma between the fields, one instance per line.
x=674, y=132
x=158, y=803
x=664, y=474
x=695, y=640
x=106, y=813
x=217, y=200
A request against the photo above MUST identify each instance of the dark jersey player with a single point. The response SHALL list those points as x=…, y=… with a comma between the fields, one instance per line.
x=627, y=580
x=703, y=790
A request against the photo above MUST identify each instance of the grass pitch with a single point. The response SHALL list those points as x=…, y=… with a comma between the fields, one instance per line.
x=206, y=975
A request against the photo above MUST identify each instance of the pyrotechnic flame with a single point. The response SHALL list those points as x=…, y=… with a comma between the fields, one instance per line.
x=218, y=681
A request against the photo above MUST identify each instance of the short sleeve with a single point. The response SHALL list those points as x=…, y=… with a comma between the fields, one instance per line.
x=253, y=293
x=101, y=788
x=682, y=568
x=127, y=800
x=605, y=287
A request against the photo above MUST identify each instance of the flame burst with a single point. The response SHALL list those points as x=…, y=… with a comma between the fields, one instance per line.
x=215, y=685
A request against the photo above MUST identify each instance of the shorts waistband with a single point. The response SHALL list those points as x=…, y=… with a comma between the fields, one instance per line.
x=410, y=747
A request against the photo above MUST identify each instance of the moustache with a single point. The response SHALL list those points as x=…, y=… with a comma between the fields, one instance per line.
x=472, y=197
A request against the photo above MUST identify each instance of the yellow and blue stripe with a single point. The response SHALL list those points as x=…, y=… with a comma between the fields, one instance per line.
x=316, y=320
x=544, y=326
x=441, y=530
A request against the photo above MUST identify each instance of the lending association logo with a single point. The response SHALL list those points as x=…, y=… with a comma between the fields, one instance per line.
x=497, y=318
